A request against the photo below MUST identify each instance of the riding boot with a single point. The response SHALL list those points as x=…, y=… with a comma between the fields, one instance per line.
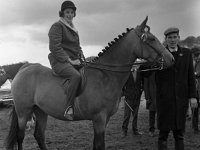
x=179, y=145
x=162, y=145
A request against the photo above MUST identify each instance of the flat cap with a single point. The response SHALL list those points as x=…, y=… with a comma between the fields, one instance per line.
x=171, y=30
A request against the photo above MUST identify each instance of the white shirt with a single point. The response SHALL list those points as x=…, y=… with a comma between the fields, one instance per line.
x=173, y=50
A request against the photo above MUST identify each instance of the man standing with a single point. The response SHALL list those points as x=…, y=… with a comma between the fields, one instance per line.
x=150, y=96
x=195, y=112
x=175, y=90
x=132, y=91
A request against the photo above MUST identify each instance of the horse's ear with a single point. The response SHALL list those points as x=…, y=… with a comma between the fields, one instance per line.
x=143, y=24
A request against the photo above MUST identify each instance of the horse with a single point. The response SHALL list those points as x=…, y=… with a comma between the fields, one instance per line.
x=37, y=90
x=8, y=72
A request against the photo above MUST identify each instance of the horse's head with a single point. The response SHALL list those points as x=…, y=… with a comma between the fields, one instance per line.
x=9, y=71
x=149, y=47
x=3, y=76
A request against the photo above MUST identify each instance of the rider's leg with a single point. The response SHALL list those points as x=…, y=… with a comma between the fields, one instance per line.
x=73, y=78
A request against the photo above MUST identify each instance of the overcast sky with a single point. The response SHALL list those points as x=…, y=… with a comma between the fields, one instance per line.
x=24, y=24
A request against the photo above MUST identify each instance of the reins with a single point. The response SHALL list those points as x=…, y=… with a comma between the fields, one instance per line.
x=126, y=67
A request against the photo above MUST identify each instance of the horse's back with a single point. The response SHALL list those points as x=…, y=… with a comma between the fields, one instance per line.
x=37, y=85
x=28, y=72
x=35, y=72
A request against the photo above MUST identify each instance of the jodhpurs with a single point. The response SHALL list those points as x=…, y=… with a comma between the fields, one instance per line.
x=72, y=81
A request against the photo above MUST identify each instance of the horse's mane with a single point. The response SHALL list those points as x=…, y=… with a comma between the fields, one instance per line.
x=107, y=48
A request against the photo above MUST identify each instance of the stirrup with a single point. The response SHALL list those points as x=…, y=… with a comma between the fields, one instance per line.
x=67, y=115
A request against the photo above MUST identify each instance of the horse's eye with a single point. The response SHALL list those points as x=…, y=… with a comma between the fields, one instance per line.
x=144, y=37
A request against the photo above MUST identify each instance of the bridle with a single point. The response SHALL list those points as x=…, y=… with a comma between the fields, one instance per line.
x=2, y=71
x=156, y=65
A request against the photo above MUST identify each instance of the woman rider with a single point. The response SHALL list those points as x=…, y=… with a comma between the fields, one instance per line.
x=66, y=53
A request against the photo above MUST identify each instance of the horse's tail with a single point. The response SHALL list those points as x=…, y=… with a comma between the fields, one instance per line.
x=11, y=140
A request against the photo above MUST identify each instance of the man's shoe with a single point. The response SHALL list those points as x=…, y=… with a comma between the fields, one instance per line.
x=124, y=134
x=69, y=113
x=137, y=133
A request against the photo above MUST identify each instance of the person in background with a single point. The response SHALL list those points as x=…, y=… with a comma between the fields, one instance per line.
x=132, y=92
x=195, y=112
x=176, y=89
x=66, y=53
x=150, y=96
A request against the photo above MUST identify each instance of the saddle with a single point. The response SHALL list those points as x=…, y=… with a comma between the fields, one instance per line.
x=82, y=82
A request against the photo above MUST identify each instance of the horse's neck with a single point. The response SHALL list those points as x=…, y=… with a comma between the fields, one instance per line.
x=120, y=54
x=12, y=70
x=2, y=80
x=12, y=74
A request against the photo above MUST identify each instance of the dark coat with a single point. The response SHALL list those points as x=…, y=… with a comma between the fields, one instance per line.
x=150, y=91
x=175, y=85
x=63, y=43
x=133, y=89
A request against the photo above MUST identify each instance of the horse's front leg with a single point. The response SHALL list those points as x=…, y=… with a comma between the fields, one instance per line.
x=99, y=126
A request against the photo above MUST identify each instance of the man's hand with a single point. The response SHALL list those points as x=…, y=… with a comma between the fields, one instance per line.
x=193, y=103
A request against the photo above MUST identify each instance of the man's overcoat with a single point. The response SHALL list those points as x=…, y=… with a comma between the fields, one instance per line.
x=150, y=91
x=175, y=85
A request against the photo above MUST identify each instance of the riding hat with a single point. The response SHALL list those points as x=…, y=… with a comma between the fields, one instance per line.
x=68, y=4
x=171, y=30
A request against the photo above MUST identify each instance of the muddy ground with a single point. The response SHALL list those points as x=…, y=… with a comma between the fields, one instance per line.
x=62, y=135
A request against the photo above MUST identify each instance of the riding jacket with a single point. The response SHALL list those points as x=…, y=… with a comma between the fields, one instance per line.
x=63, y=43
